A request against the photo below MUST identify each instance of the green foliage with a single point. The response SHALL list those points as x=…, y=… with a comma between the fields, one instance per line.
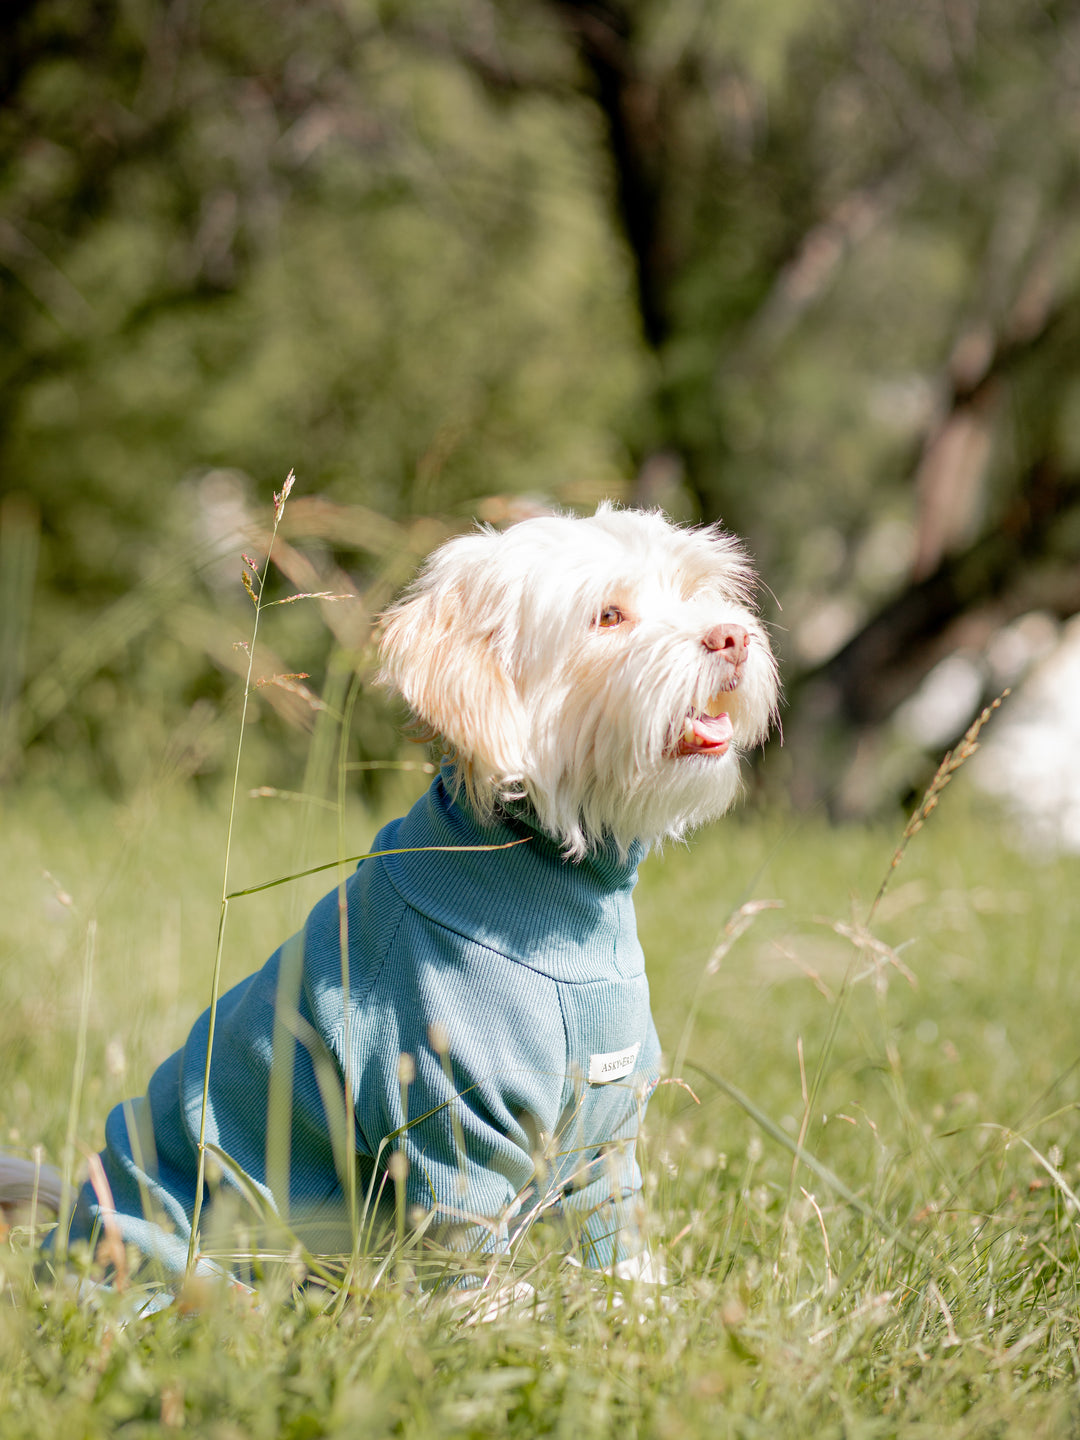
x=320, y=249
x=270, y=235
x=863, y=186
x=739, y=261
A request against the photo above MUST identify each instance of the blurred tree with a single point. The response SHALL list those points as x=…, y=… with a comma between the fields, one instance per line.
x=241, y=236
x=855, y=235
x=809, y=266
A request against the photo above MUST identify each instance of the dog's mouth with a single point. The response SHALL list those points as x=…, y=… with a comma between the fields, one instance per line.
x=705, y=734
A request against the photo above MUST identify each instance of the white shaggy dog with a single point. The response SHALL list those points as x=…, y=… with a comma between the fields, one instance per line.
x=476, y=992
x=610, y=669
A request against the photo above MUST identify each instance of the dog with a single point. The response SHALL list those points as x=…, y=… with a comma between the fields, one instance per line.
x=464, y=1026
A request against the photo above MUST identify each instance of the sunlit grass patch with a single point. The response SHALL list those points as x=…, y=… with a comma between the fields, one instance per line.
x=947, y=1300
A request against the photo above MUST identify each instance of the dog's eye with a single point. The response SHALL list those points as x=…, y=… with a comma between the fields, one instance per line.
x=610, y=615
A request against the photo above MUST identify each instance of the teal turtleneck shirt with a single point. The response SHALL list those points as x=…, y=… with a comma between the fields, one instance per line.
x=514, y=981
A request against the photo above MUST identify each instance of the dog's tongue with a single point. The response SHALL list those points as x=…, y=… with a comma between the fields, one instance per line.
x=713, y=729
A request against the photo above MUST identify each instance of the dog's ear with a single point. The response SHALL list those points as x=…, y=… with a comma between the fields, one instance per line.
x=445, y=649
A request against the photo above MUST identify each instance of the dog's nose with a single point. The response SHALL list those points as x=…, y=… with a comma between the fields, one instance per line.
x=731, y=642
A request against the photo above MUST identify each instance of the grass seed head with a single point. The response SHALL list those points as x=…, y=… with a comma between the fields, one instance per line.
x=286, y=491
x=950, y=764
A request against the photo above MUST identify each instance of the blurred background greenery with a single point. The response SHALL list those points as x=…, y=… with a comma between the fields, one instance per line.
x=807, y=267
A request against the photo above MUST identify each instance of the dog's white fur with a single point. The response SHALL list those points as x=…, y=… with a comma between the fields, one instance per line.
x=497, y=648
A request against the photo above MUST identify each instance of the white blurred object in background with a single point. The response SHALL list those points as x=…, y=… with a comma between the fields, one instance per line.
x=1030, y=756
x=945, y=703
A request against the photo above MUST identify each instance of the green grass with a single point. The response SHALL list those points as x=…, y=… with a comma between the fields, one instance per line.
x=939, y=1298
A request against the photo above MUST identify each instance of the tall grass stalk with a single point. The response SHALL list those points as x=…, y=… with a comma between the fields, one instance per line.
x=951, y=762
x=78, y=1073
x=215, y=986
x=349, y=1176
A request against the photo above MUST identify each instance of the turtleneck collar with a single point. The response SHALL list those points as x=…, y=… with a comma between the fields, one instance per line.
x=574, y=920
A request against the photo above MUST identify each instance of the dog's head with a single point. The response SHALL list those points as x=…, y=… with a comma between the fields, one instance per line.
x=609, y=668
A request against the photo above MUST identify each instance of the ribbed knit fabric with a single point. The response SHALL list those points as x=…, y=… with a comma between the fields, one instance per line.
x=528, y=964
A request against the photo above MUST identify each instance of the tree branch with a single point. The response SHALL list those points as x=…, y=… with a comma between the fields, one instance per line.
x=1009, y=571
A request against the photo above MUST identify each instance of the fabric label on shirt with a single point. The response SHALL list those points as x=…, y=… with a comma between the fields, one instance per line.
x=613, y=1066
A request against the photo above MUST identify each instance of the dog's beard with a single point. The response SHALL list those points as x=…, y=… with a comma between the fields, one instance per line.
x=605, y=762
x=663, y=801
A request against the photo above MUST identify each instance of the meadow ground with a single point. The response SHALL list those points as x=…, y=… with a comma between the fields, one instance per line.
x=913, y=1272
